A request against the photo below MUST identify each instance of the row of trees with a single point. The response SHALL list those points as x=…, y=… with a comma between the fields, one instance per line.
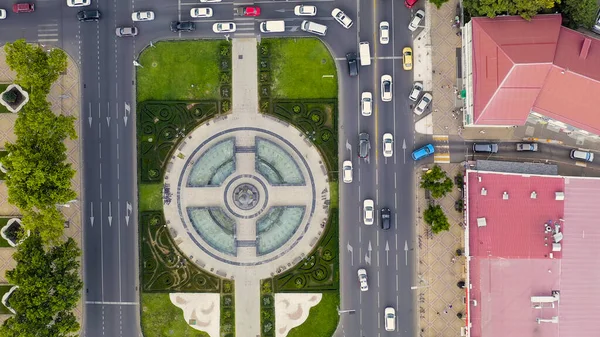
x=38, y=180
x=438, y=184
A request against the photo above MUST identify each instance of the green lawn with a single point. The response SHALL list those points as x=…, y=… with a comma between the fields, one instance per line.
x=324, y=316
x=179, y=70
x=298, y=68
x=150, y=197
x=334, y=194
x=4, y=288
x=161, y=318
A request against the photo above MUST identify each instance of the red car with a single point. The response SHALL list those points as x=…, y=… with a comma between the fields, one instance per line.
x=252, y=11
x=23, y=7
x=410, y=3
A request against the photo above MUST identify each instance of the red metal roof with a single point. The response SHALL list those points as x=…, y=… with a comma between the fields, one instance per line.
x=516, y=68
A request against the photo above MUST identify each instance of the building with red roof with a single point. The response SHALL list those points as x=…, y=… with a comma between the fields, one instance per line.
x=533, y=251
x=515, y=69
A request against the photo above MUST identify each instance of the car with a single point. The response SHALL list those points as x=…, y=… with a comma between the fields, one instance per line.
x=23, y=7
x=423, y=152
x=485, y=147
x=416, y=20
x=347, y=171
x=596, y=28
x=2, y=13
x=305, y=10
x=364, y=145
x=389, y=319
x=366, y=103
x=386, y=218
x=423, y=104
x=252, y=11
x=582, y=155
x=201, y=12
x=126, y=31
x=210, y=0
x=142, y=16
x=407, y=3
x=352, y=64
x=407, y=58
x=416, y=91
x=362, y=278
x=527, y=147
x=224, y=27
x=384, y=32
x=78, y=3
x=386, y=88
x=388, y=145
x=89, y=15
x=182, y=26
x=341, y=18
x=368, y=212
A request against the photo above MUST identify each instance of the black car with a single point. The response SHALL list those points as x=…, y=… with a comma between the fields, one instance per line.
x=364, y=145
x=352, y=64
x=183, y=26
x=88, y=15
x=386, y=218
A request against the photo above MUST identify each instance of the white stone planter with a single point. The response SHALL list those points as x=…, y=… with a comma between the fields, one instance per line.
x=23, y=92
x=5, y=228
x=6, y=296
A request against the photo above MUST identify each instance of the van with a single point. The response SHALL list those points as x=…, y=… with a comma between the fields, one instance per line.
x=272, y=26
x=365, y=53
x=313, y=27
x=485, y=147
x=582, y=155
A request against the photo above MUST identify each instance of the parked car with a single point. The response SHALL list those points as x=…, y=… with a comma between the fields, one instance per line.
x=485, y=147
x=423, y=152
x=366, y=103
x=2, y=13
x=201, y=12
x=410, y=3
x=347, y=171
x=388, y=145
x=252, y=11
x=126, y=31
x=142, y=16
x=305, y=10
x=416, y=20
x=407, y=58
x=341, y=18
x=89, y=15
x=364, y=145
x=23, y=7
x=182, y=26
x=390, y=319
x=384, y=32
x=386, y=88
x=416, y=91
x=78, y=3
x=386, y=218
x=210, y=0
x=352, y=64
x=596, y=28
x=423, y=103
x=527, y=147
x=362, y=279
x=368, y=212
x=582, y=155
x=224, y=27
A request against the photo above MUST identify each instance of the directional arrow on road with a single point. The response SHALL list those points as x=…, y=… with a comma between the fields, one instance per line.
x=127, y=112
x=368, y=255
x=129, y=210
x=110, y=213
x=404, y=149
x=108, y=120
x=92, y=212
x=90, y=118
x=405, y=253
x=294, y=28
x=351, y=251
x=387, y=251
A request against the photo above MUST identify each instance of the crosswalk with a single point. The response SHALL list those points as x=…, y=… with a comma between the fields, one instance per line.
x=442, y=149
x=48, y=32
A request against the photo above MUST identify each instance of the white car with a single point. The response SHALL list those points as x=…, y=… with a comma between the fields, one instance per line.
x=201, y=12
x=366, y=103
x=142, y=16
x=362, y=278
x=347, y=171
x=384, y=32
x=423, y=103
x=2, y=14
x=416, y=20
x=224, y=27
x=210, y=0
x=389, y=319
x=388, y=145
x=342, y=18
x=368, y=211
x=386, y=88
x=416, y=91
x=305, y=10
x=78, y=3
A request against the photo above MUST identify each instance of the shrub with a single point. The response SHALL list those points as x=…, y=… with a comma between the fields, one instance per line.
x=9, y=97
x=225, y=106
x=227, y=287
x=296, y=108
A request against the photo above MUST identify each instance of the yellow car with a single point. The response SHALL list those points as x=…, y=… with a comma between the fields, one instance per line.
x=407, y=58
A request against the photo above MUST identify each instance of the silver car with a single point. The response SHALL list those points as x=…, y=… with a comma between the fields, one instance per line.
x=423, y=103
x=341, y=18
x=362, y=278
x=126, y=31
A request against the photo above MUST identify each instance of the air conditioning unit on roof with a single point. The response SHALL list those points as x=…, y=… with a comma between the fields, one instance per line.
x=559, y=196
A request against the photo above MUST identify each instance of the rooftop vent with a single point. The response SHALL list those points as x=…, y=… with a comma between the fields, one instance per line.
x=555, y=297
x=505, y=196
x=483, y=191
x=557, y=237
x=556, y=247
x=533, y=195
x=481, y=222
x=542, y=320
x=585, y=48
x=479, y=178
x=559, y=196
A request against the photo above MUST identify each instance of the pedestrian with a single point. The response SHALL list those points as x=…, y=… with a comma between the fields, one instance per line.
x=445, y=311
x=450, y=306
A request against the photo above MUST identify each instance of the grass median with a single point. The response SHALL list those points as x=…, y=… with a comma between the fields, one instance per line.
x=322, y=319
x=162, y=318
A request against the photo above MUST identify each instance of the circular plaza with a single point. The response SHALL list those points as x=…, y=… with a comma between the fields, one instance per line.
x=249, y=194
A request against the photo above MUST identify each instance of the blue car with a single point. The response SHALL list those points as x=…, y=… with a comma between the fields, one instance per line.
x=423, y=152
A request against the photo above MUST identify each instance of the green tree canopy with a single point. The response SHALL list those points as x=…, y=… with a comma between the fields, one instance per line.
x=48, y=222
x=438, y=3
x=49, y=289
x=525, y=8
x=36, y=68
x=435, y=217
x=580, y=12
x=437, y=182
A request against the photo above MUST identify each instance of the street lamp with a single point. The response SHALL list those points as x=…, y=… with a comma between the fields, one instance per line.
x=419, y=287
x=349, y=311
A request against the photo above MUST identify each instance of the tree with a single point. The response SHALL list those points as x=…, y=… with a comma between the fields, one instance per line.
x=435, y=217
x=437, y=182
x=525, y=8
x=580, y=12
x=438, y=3
x=36, y=68
x=49, y=289
x=48, y=222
